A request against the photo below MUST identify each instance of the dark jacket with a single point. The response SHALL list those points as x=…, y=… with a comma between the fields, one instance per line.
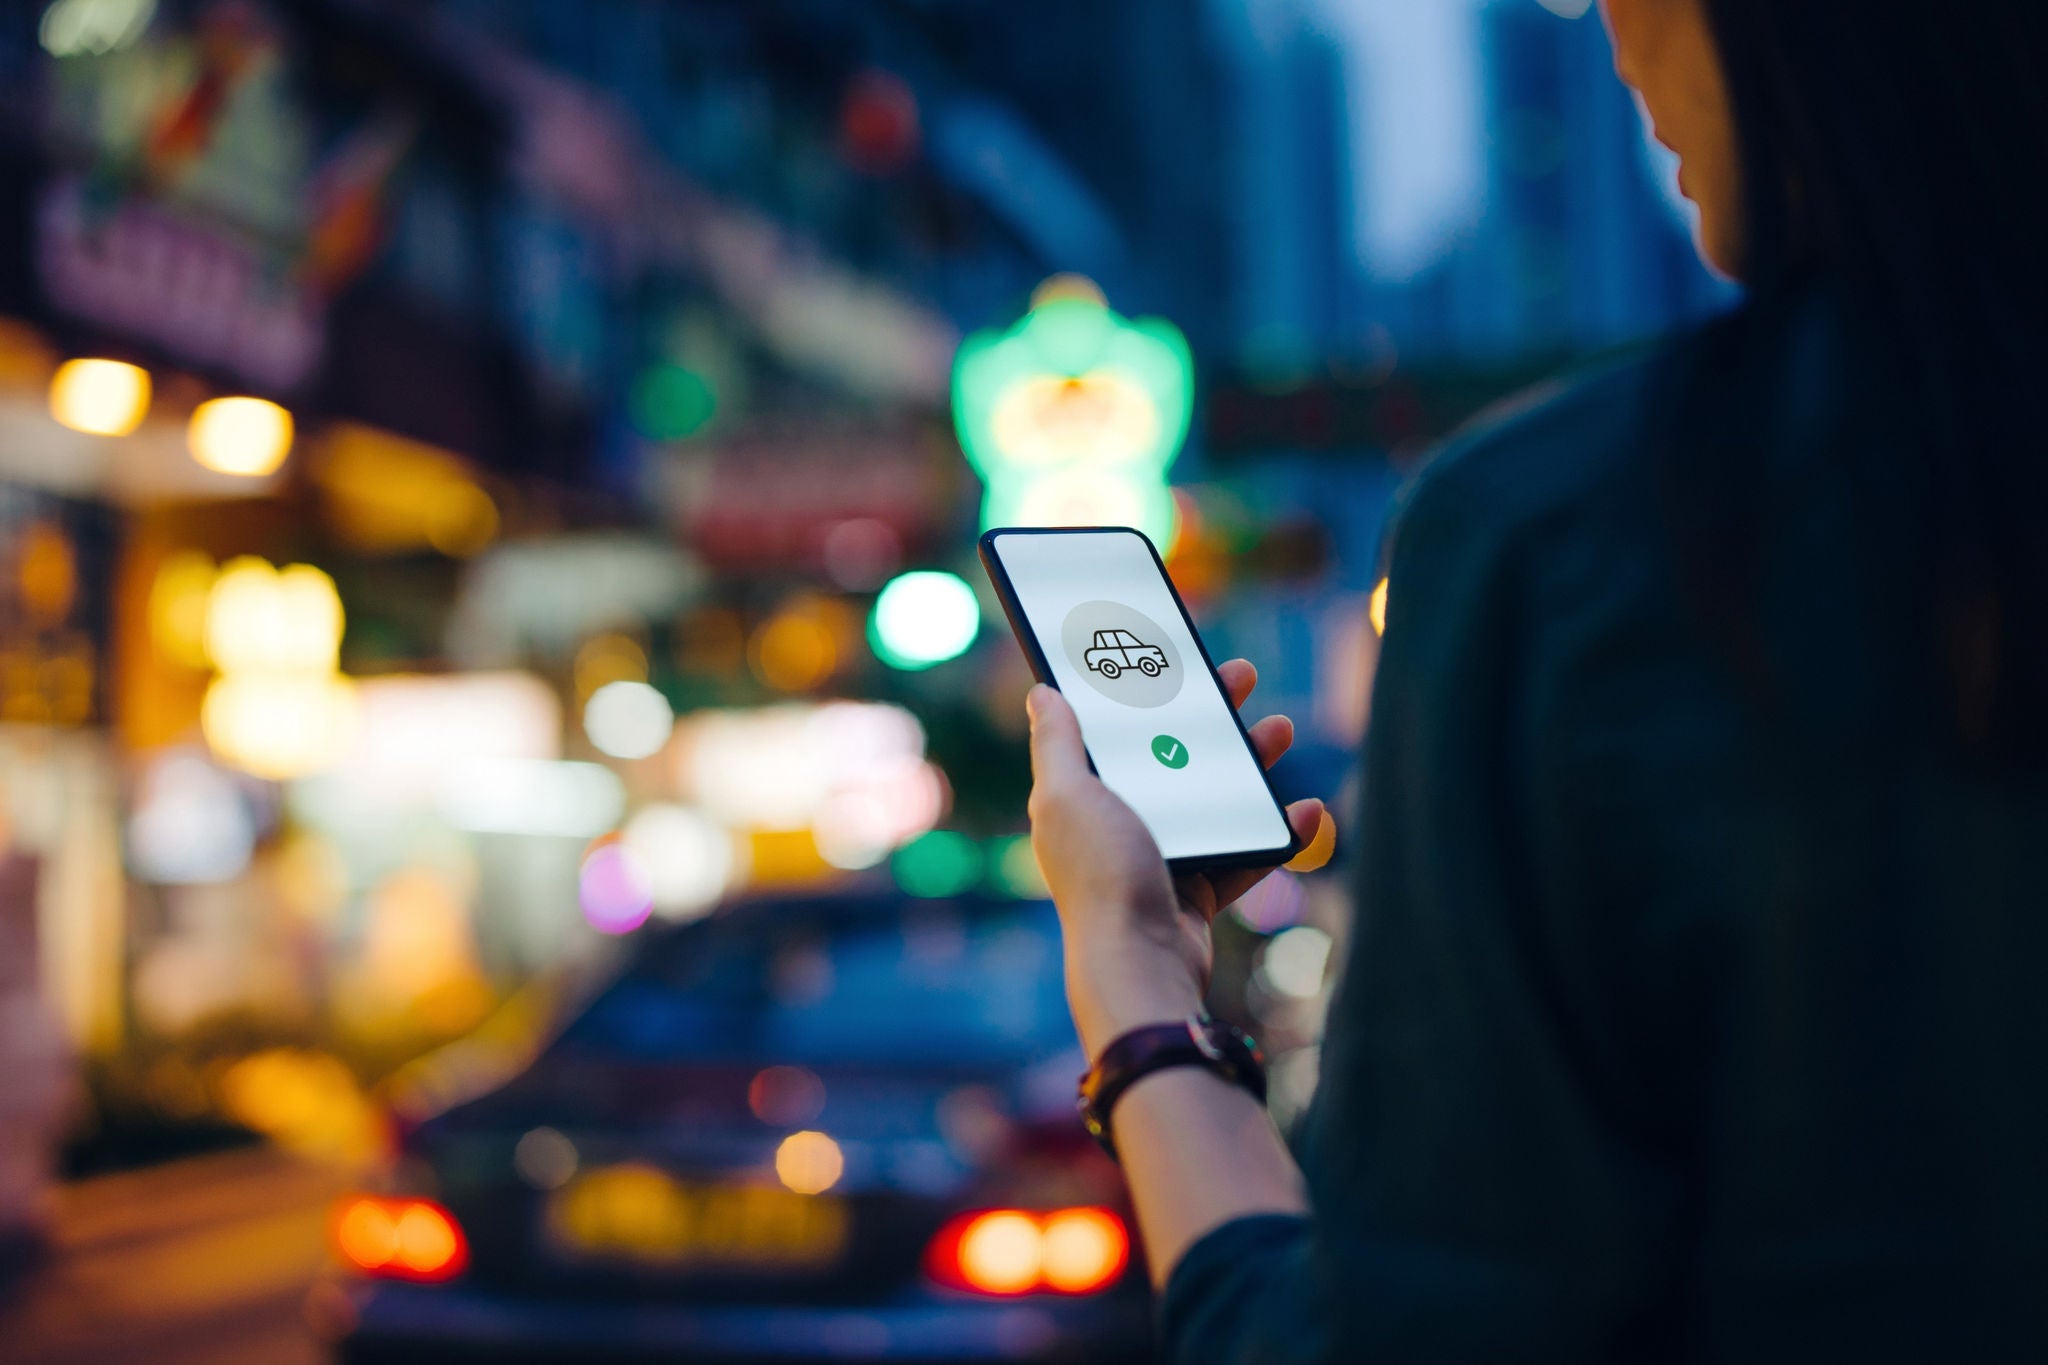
x=1690, y=1015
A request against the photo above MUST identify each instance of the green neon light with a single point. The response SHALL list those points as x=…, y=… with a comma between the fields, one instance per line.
x=1074, y=416
x=669, y=402
x=941, y=863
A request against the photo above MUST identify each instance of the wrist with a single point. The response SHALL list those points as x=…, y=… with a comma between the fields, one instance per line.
x=1108, y=1003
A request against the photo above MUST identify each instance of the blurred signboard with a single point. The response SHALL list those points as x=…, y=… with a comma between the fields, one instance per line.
x=148, y=274
x=177, y=207
x=1073, y=416
x=771, y=501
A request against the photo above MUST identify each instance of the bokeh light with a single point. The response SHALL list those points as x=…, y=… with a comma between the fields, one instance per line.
x=278, y=709
x=924, y=618
x=279, y=725
x=545, y=1158
x=941, y=863
x=384, y=493
x=366, y=1233
x=462, y=521
x=531, y=796
x=796, y=649
x=861, y=552
x=777, y=767
x=809, y=1162
x=669, y=402
x=275, y=620
x=191, y=824
x=614, y=890
x=427, y=1240
x=1083, y=1250
x=413, y=1239
x=689, y=860
x=93, y=28
x=100, y=397
x=248, y=437
x=786, y=1095
x=628, y=720
x=858, y=824
x=1000, y=1253
x=1014, y=868
x=1376, y=607
x=306, y=1101
x=1295, y=961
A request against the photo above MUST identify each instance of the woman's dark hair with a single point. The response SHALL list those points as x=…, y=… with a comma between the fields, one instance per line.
x=1893, y=154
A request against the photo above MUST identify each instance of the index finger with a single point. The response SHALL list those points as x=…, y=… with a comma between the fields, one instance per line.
x=1239, y=678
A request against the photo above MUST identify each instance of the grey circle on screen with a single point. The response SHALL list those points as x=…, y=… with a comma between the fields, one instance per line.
x=1123, y=654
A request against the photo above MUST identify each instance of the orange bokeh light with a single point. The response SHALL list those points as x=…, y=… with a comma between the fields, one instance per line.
x=410, y=1239
x=796, y=650
x=1001, y=1253
x=809, y=1162
x=1011, y=1251
x=1084, y=1250
x=366, y=1234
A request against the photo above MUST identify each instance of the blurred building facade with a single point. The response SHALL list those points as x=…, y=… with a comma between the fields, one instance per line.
x=613, y=343
x=1573, y=246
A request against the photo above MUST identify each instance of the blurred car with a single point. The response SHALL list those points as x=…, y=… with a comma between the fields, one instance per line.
x=818, y=1129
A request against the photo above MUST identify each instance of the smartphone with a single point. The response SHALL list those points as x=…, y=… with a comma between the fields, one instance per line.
x=1100, y=620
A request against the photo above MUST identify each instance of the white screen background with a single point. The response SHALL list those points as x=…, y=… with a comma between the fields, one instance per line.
x=1217, y=804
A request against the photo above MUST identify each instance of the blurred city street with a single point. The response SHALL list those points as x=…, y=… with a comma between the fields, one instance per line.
x=498, y=695
x=203, y=1261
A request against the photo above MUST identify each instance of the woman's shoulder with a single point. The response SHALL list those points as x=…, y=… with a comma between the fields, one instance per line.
x=1553, y=450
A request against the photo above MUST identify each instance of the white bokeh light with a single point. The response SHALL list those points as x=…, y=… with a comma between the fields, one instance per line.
x=1294, y=962
x=689, y=859
x=628, y=720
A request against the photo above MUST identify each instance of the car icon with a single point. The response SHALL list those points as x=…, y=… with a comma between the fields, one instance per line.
x=1116, y=650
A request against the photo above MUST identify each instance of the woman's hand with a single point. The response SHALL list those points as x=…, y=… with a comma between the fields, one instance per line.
x=1137, y=940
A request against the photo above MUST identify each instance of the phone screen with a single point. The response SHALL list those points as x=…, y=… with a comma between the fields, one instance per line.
x=1154, y=718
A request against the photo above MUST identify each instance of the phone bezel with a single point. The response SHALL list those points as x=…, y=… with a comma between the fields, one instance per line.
x=1020, y=626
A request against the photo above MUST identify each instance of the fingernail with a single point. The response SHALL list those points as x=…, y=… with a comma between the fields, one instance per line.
x=1031, y=702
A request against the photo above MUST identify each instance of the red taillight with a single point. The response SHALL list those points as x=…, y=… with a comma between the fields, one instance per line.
x=403, y=1239
x=1011, y=1251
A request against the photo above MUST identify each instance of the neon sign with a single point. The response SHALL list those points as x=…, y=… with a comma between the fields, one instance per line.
x=1073, y=416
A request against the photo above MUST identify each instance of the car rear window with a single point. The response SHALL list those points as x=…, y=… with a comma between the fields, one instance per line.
x=934, y=986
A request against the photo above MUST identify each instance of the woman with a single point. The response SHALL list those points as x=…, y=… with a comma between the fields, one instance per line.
x=1695, y=1009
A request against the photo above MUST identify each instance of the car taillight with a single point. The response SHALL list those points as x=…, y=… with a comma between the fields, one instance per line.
x=404, y=1239
x=1012, y=1251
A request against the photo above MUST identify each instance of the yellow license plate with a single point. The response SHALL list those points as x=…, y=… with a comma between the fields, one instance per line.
x=642, y=1214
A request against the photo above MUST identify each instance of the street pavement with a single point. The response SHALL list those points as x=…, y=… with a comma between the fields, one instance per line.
x=199, y=1262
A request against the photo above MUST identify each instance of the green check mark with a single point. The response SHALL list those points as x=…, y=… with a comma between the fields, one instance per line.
x=1170, y=751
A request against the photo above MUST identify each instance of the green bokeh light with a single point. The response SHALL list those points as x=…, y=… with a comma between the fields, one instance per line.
x=923, y=618
x=1075, y=415
x=941, y=863
x=670, y=402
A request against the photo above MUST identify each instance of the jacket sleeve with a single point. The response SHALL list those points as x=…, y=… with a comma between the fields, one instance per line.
x=1473, y=1196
